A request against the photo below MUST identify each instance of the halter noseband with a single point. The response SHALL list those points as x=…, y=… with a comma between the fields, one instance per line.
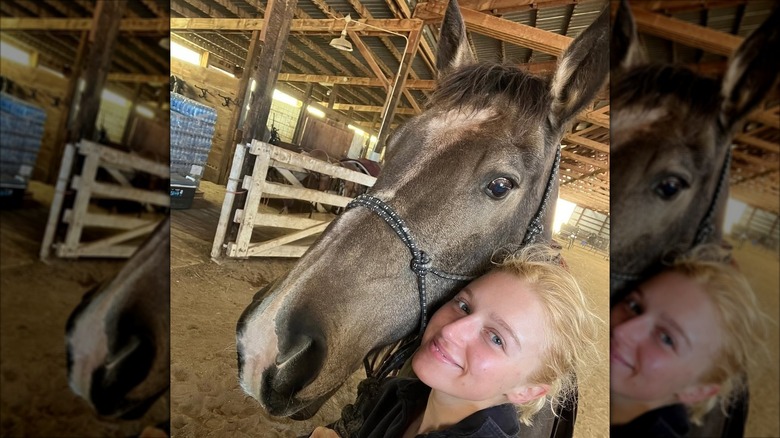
x=706, y=227
x=421, y=263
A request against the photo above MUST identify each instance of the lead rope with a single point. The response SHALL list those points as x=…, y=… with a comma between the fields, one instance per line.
x=535, y=227
x=706, y=227
x=421, y=261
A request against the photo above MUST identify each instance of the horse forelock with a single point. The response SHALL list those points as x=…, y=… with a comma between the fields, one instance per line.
x=657, y=85
x=479, y=85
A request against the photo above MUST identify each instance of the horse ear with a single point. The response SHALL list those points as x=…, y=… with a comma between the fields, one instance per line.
x=581, y=71
x=454, y=50
x=751, y=72
x=625, y=51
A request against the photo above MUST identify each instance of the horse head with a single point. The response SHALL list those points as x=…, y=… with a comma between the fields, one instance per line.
x=118, y=337
x=671, y=132
x=467, y=176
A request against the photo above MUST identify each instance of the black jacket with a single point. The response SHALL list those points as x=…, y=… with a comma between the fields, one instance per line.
x=401, y=398
x=665, y=422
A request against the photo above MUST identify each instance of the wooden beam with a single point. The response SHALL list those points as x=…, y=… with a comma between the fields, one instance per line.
x=585, y=160
x=691, y=35
x=367, y=108
x=582, y=141
x=757, y=142
x=328, y=25
x=412, y=84
x=508, y=31
x=434, y=8
x=138, y=78
x=149, y=25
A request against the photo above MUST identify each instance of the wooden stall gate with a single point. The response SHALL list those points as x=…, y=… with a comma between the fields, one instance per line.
x=257, y=187
x=88, y=188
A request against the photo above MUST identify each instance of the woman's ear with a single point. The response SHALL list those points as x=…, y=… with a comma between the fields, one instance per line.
x=696, y=393
x=524, y=394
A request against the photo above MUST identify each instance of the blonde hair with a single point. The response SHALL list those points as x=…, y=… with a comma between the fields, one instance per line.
x=571, y=328
x=743, y=325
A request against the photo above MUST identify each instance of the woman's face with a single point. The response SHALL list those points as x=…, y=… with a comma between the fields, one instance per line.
x=663, y=337
x=482, y=345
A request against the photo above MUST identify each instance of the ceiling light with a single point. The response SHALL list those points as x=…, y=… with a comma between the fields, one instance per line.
x=341, y=43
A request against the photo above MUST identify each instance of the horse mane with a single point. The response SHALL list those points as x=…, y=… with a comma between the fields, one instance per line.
x=479, y=85
x=653, y=83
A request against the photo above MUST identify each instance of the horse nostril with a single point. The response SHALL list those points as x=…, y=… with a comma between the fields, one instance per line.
x=298, y=363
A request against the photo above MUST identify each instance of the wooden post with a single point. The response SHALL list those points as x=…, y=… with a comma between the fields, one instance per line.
x=67, y=103
x=56, y=204
x=398, y=88
x=265, y=67
x=234, y=133
x=254, y=185
x=226, y=215
x=80, y=205
x=302, y=115
x=334, y=92
x=264, y=70
x=132, y=115
x=102, y=39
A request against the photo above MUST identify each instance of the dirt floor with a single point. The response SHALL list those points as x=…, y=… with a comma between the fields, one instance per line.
x=36, y=300
x=207, y=299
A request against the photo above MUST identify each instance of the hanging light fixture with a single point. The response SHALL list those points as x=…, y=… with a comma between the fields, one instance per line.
x=341, y=43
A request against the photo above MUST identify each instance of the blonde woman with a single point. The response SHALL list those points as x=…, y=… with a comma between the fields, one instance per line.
x=680, y=344
x=504, y=347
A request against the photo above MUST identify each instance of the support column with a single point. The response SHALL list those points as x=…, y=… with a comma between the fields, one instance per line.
x=102, y=39
x=61, y=135
x=302, y=115
x=235, y=133
x=398, y=87
x=334, y=94
x=264, y=69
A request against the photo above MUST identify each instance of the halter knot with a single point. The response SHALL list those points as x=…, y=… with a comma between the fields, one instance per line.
x=421, y=264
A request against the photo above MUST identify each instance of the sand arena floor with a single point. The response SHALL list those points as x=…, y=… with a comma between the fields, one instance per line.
x=35, y=302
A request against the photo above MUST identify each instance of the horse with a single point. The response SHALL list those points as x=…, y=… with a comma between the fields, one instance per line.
x=118, y=337
x=472, y=173
x=671, y=136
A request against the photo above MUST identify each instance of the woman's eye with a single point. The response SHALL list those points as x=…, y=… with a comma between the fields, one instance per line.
x=669, y=187
x=499, y=187
x=634, y=306
x=666, y=339
x=494, y=338
x=463, y=306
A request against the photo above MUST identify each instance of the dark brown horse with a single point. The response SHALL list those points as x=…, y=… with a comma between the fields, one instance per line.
x=467, y=176
x=118, y=337
x=671, y=132
x=671, y=135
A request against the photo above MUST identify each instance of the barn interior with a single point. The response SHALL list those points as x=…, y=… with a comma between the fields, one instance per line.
x=328, y=103
x=93, y=75
x=319, y=85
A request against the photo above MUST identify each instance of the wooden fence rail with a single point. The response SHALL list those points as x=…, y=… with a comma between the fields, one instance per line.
x=248, y=217
x=87, y=188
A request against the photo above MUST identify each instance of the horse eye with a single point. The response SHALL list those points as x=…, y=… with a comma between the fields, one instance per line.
x=669, y=187
x=499, y=187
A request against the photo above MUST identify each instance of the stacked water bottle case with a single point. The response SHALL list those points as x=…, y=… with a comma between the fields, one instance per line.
x=192, y=127
x=21, y=125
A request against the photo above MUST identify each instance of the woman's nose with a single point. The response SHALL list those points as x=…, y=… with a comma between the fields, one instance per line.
x=633, y=330
x=461, y=330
